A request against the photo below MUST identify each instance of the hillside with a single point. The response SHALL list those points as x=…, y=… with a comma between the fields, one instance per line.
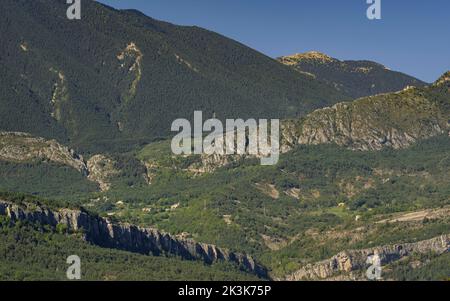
x=384, y=121
x=86, y=165
x=396, y=120
x=108, y=234
x=51, y=246
x=352, y=264
x=354, y=78
x=117, y=78
x=318, y=201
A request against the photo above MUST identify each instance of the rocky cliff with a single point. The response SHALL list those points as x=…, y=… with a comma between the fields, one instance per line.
x=348, y=263
x=22, y=147
x=101, y=170
x=104, y=233
x=394, y=120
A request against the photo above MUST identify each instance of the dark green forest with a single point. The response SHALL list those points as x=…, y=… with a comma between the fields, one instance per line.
x=119, y=78
x=355, y=78
x=111, y=86
x=235, y=213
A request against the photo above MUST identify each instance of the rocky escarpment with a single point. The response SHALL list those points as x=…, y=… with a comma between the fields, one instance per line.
x=351, y=263
x=351, y=125
x=22, y=147
x=101, y=170
x=444, y=80
x=104, y=233
x=395, y=120
x=130, y=60
x=307, y=57
x=210, y=163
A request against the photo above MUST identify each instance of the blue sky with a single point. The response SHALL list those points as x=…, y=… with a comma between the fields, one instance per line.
x=412, y=37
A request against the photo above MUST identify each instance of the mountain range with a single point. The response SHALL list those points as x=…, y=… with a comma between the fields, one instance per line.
x=118, y=78
x=85, y=160
x=354, y=78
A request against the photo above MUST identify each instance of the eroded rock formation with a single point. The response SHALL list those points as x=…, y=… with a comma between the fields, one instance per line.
x=104, y=233
x=22, y=147
x=101, y=170
x=347, y=262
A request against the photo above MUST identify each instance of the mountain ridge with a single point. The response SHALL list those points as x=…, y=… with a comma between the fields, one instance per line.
x=117, y=78
x=85, y=114
x=358, y=78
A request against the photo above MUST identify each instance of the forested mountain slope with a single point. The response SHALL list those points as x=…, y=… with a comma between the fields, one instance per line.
x=115, y=78
x=355, y=78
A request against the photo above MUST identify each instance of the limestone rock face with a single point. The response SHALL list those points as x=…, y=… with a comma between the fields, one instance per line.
x=104, y=233
x=344, y=126
x=444, y=80
x=319, y=58
x=210, y=163
x=350, y=261
x=101, y=170
x=130, y=62
x=395, y=120
x=22, y=147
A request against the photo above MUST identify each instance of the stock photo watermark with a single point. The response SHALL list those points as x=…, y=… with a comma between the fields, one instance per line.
x=238, y=137
x=374, y=271
x=74, y=270
x=373, y=11
x=74, y=10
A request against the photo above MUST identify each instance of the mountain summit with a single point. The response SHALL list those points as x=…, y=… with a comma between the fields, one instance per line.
x=443, y=80
x=311, y=56
x=354, y=78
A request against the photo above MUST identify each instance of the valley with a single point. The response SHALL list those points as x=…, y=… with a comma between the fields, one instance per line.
x=86, y=165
